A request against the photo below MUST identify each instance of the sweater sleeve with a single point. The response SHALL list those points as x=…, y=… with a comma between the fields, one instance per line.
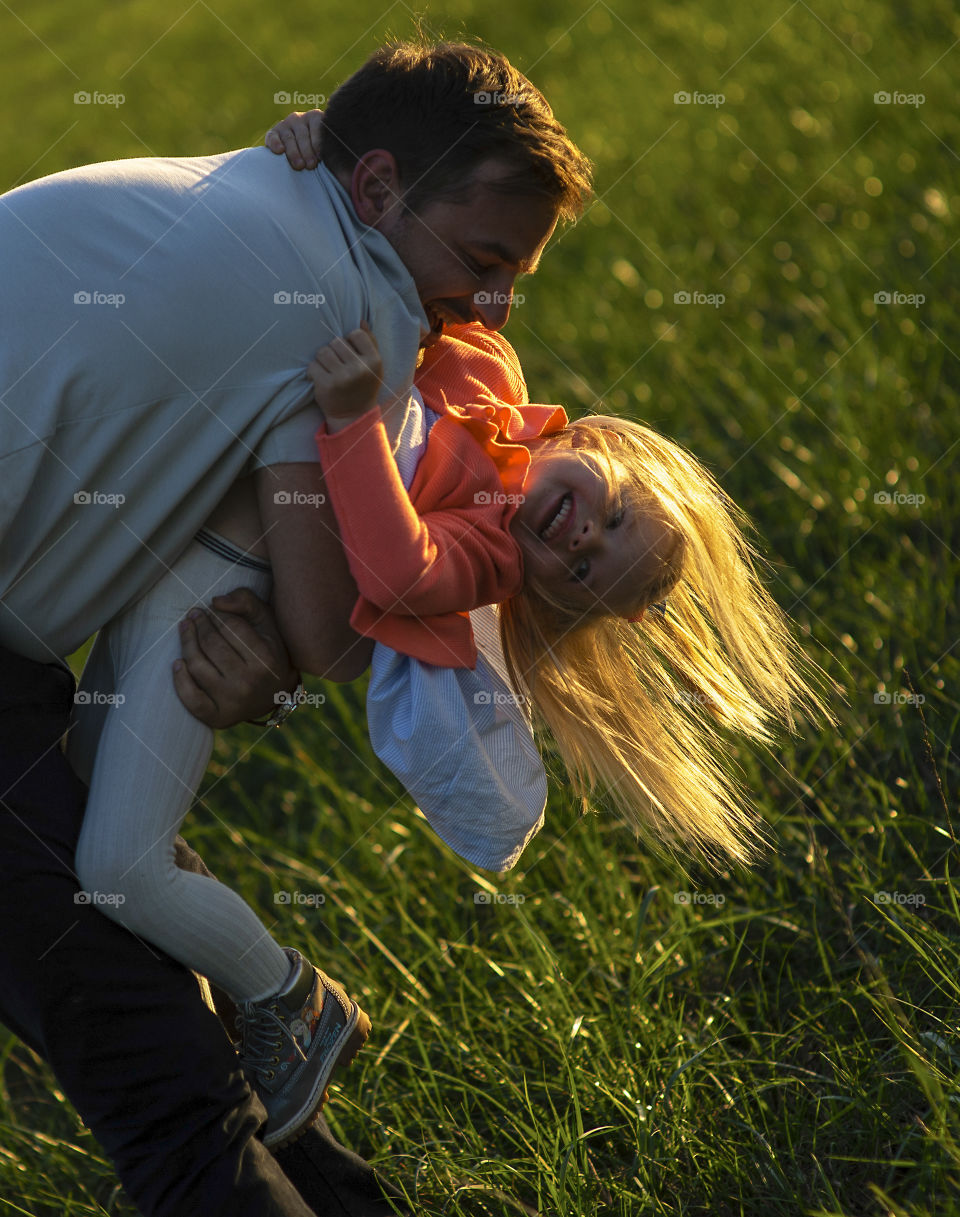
x=442, y=548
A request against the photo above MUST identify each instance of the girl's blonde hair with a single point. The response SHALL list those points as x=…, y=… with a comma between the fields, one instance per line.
x=640, y=710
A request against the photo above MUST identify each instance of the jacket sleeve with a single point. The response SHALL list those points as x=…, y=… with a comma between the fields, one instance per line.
x=443, y=547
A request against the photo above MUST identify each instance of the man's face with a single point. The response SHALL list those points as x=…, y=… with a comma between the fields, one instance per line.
x=465, y=256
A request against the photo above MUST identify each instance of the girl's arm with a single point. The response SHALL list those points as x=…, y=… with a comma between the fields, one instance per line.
x=451, y=552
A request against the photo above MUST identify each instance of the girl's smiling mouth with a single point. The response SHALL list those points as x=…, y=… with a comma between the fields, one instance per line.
x=560, y=520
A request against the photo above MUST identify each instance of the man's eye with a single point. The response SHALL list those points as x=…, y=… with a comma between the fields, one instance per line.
x=477, y=268
x=616, y=520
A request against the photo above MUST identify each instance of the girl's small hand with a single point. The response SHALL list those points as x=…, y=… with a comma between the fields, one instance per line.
x=297, y=136
x=347, y=375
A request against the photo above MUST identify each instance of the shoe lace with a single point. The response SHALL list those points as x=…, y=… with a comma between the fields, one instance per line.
x=263, y=1036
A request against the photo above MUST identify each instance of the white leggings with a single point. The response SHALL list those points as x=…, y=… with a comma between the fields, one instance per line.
x=143, y=758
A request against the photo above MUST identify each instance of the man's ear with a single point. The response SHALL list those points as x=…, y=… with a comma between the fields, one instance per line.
x=375, y=186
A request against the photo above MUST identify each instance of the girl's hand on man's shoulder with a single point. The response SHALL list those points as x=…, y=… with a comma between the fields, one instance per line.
x=298, y=138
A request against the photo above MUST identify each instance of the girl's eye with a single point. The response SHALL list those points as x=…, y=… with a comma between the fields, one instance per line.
x=616, y=520
x=580, y=572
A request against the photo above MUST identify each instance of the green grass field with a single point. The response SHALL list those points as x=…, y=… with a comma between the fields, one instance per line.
x=787, y=1045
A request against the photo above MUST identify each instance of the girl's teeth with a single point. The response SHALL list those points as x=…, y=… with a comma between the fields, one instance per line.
x=551, y=530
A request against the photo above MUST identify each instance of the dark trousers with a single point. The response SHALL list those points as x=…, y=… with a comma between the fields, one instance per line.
x=146, y=1064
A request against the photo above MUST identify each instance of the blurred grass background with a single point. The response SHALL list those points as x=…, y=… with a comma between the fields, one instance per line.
x=788, y=1045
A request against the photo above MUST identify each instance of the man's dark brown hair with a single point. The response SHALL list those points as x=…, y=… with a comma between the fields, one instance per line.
x=442, y=109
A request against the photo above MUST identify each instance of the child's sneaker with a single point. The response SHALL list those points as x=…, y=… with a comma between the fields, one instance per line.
x=291, y=1043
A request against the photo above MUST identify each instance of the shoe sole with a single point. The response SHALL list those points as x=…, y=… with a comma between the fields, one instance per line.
x=355, y=1033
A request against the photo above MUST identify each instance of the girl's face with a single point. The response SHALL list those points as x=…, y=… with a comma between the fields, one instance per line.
x=584, y=547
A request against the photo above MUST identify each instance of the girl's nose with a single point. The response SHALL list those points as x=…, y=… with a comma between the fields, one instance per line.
x=583, y=535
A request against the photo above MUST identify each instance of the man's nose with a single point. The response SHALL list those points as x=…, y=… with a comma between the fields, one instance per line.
x=492, y=302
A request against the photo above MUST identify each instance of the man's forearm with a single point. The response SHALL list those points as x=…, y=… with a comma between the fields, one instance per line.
x=314, y=591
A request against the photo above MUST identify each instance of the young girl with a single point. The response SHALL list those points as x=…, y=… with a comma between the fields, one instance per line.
x=607, y=517
x=639, y=713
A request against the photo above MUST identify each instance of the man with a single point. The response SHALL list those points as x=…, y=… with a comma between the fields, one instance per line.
x=156, y=321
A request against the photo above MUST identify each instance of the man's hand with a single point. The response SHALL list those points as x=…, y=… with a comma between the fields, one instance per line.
x=298, y=137
x=234, y=661
x=346, y=376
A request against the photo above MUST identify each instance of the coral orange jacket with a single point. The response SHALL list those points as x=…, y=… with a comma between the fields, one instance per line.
x=423, y=559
